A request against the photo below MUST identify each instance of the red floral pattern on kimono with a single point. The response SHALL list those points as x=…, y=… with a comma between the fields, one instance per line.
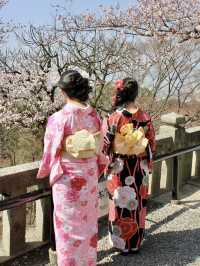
x=74, y=184
x=127, y=182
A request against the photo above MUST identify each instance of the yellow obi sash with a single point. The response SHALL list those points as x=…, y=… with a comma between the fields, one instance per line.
x=130, y=141
x=82, y=144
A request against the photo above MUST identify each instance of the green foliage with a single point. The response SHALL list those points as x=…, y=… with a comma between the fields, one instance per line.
x=19, y=146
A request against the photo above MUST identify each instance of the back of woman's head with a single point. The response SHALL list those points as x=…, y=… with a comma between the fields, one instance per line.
x=125, y=91
x=74, y=85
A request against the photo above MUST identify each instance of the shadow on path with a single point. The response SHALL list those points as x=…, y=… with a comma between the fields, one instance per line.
x=166, y=248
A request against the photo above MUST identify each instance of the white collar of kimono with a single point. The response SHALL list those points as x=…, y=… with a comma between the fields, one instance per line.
x=73, y=106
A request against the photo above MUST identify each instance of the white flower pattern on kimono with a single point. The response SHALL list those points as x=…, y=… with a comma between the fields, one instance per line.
x=109, y=177
x=132, y=205
x=129, y=180
x=84, y=194
x=117, y=242
x=122, y=195
x=116, y=230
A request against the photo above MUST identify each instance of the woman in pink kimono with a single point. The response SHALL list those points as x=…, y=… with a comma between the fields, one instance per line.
x=73, y=161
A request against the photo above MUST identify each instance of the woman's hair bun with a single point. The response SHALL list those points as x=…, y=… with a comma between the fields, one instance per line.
x=75, y=85
x=125, y=91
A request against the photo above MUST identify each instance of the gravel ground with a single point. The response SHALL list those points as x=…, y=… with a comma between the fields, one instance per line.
x=172, y=237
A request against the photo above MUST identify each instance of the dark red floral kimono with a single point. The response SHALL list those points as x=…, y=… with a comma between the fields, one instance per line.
x=127, y=182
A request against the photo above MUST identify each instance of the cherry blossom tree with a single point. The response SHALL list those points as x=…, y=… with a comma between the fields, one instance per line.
x=148, y=18
x=170, y=70
x=4, y=28
x=25, y=100
x=105, y=47
x=95, y=54
x=154, y=41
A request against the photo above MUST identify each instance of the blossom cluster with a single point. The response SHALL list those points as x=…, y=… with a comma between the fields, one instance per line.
x=25, y=101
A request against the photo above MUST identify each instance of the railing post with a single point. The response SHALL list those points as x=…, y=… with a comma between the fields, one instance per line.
x=14, y=227
x=156, y=176
x=170, y=168
x=194, y=139
x=197, y=166
x=164, y=145
x=43, y=209
x=173, y=125
x=175, y=181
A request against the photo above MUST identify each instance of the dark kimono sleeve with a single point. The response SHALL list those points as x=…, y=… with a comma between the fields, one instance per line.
x=150, y=135
x=109, y=129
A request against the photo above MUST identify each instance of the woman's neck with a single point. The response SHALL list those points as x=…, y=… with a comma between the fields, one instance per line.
x=76, y=102
x=132, y=108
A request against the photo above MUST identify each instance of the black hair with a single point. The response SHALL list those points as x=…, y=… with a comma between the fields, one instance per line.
x=127, y=94
x=74, y=85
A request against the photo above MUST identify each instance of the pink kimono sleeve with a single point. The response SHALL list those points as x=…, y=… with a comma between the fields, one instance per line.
x=52, y=146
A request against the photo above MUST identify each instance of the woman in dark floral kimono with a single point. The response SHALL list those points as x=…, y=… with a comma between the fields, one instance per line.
x=130, y=143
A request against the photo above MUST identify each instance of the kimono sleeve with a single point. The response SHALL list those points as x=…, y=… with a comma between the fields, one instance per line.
x=102, y=158
x=109, y=130
x=150, y=135
x=52, y=146
x=106, y=139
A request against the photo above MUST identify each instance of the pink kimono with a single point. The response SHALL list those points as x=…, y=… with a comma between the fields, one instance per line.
x=74, y=183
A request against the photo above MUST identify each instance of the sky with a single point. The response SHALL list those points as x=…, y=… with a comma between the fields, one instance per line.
x=42, y=11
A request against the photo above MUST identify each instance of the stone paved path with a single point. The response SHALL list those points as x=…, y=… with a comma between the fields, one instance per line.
x=172, y=236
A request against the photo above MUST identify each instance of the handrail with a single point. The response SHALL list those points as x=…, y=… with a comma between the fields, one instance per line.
x=20, y=200
x=175, y=154
x=24, y=198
